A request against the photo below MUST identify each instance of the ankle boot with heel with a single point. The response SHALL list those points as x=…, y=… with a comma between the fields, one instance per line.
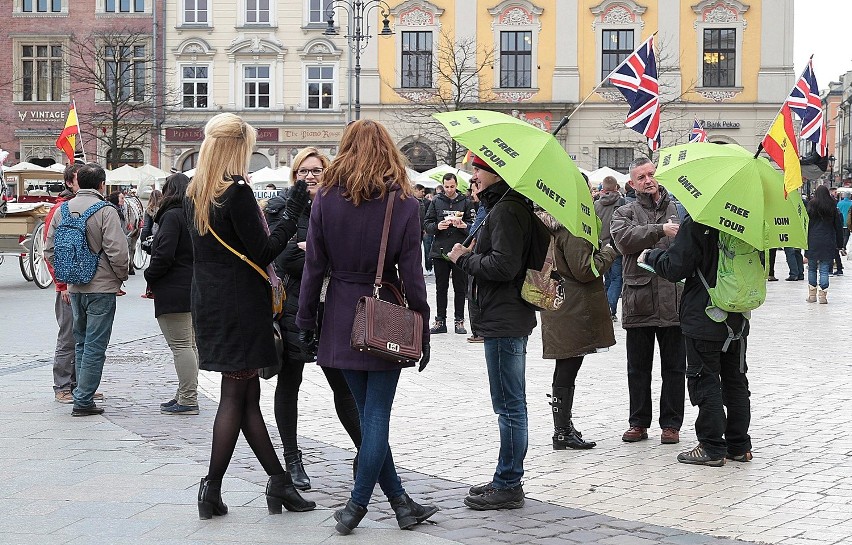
x=349, y=517
x=281, y=492
x=296, y=468
x=409, y=512
x=210, y=499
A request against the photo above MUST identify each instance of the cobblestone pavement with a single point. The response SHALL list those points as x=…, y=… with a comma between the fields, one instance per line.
x=797, y=491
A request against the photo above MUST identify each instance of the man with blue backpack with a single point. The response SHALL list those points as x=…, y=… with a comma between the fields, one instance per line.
x=725, y=280
x=88, y=250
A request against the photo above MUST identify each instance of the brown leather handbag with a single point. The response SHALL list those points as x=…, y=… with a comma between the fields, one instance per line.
x=386, y=330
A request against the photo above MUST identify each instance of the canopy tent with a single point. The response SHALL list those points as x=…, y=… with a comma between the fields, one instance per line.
x=24, y=167
x=434, y=176
x=597, y=176
x=153, y=172
x=269, y=175
x=189, y=173
x=125, y=175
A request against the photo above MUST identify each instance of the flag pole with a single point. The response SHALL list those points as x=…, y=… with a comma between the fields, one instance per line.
x=568, y=117
x=79, y=132
x=760, y=146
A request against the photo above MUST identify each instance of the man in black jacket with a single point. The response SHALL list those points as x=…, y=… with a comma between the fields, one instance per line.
x=448, y=219
x=497, y=263
x=715, y=353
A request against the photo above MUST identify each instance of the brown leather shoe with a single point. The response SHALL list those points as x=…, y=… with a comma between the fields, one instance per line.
x=670, y=436
x=634, y=434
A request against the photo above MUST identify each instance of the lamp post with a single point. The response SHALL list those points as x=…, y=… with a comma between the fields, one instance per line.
x=831, y=160
x=358, y=32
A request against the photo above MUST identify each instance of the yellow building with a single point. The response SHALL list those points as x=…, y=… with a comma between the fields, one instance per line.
x=723, y=62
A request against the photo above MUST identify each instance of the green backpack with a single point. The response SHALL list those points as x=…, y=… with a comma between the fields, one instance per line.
x=740, y=279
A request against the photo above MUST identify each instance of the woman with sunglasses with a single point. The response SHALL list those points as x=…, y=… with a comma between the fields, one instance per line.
x=308, y=165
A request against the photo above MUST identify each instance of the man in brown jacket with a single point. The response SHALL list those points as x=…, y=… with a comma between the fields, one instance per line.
x=650, y=306
x=93, y=304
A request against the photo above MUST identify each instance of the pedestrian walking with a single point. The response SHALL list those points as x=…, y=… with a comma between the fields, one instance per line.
x=232, y=303
x=650, y=306
x=825, y=238
x=345, y=233
x=581, y=326
x=608, y=201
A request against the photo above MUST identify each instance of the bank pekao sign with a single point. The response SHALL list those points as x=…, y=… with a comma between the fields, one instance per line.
x=719, y=124
x=41, y=116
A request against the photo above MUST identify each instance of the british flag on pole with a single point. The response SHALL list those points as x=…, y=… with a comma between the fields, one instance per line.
x=806, y=103
x=698, y=134
x=636, y=78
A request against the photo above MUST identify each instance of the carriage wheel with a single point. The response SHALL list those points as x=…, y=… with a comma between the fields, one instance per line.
x=140, y=258
x=38, y=263
x=26, y=267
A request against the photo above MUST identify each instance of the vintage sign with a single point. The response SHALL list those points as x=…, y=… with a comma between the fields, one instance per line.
x=42, y=115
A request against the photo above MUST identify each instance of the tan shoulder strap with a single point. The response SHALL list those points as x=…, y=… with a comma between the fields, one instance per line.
x=241, y=256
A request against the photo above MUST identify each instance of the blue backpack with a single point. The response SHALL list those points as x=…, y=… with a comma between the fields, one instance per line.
x=73, y=260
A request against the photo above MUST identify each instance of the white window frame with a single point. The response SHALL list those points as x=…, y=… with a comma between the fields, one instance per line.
x=148, y=61
x=712, y=14
x=516, y=16
x=209, y=79
x=416, y=16
x=183, y=11
x=323, y=20
x=18, y=60
x=335, y=100
x=242, y=15
x=100, y=8
x=18, y=9
x=270, y=79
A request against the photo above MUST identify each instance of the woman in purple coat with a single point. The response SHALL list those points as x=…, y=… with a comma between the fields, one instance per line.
x=344, y=236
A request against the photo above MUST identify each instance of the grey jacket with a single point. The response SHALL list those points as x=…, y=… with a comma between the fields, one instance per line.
x=104, y=233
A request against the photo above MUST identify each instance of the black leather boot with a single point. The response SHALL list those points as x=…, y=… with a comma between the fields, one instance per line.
x=280, y=491
x=408, y=512
x=210, y=499
x=297, y=470
x=349, y=517
x=565, y=436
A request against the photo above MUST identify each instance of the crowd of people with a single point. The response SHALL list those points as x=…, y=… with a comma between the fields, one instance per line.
x=320, y=239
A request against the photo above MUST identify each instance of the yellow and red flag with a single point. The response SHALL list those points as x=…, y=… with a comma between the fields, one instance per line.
x=467, y=157
x=67, y=140
x=780, y=144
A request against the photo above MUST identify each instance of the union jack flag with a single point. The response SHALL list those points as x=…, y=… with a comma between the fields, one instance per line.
x=805, y=102
x=698, y=134
x=636, y=78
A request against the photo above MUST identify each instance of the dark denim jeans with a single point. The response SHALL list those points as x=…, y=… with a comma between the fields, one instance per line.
x=443, y=270
x=612, y=284
x=505, y=358
x=93, y=318
x=823, y=268
x=715, y=382
x=427, y=247
x=795, y=262
x=640, y=360
x=374, y=392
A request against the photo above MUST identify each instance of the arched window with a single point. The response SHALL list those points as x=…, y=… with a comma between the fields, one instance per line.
x=258, y=161
x=127, y=156
x=189, y=162
x=420, y=156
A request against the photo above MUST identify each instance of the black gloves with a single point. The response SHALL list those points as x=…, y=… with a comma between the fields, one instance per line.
x=424, y=359
x=309, y=342
x=296, y=200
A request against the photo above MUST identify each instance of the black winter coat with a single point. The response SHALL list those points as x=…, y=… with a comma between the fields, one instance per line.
x=445, y=239
x=497, y=264
x=825, y=237
x=695, y=247
x=288, y=265
x=169, y=275
x=231, y=302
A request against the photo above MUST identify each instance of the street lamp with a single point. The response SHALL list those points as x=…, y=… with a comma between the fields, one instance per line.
x=831, y=160
x=358, y=32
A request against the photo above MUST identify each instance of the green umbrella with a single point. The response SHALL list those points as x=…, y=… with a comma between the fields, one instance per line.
x=531, y=161
x=436, y=175
x=725, y=187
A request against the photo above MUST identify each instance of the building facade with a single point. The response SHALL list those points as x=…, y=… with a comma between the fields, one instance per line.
x=100, y=54
x=843, y=128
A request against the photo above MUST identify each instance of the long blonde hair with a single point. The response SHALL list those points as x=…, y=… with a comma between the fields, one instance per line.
x=303, y=154
x=228, y=143
x=368, y=160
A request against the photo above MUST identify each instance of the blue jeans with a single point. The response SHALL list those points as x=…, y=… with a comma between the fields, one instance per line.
x=823, y=267
x=612, y=284
x=93, y=316
x=795, y=262
x=506, y=359
x=374, y=392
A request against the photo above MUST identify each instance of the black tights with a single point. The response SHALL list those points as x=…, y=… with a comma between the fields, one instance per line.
x=239, y=409
x=287, y=404
x=565, y=373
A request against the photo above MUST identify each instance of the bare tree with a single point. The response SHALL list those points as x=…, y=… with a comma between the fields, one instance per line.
x=118, y=67
x=457, y=68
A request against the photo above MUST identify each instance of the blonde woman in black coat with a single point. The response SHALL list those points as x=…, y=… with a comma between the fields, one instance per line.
x=232, y=304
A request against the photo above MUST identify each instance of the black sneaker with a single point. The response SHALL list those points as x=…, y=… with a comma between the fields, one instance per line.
x=440, y=326
x=744, y=457
x=480, y=489
x=699, y=456
x=497, y=498
x=460, y=330
x=91, y=410
x=168, y=403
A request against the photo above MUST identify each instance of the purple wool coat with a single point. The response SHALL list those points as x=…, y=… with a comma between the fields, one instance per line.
x=344, y=239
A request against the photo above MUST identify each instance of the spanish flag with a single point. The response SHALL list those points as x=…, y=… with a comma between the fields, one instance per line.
x=67, y=140
x=467, y=157
x=780, y=145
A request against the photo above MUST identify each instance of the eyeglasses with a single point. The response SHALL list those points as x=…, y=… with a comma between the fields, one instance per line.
x=306, y=171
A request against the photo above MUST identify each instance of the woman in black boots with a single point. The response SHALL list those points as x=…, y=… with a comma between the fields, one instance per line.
x=582, y=325
x=231, y=303
x=308, y=165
